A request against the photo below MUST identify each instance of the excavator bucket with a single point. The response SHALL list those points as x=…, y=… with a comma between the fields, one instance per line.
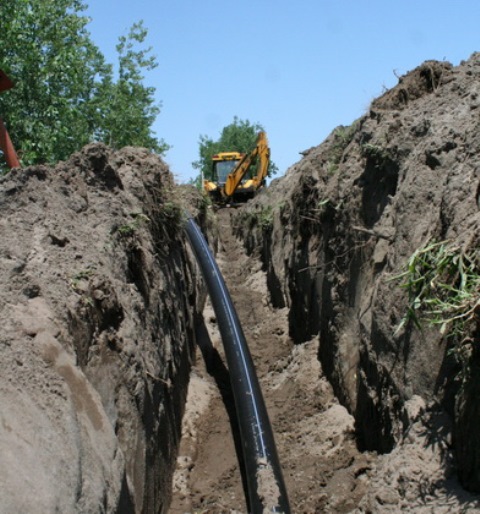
x=5, y=142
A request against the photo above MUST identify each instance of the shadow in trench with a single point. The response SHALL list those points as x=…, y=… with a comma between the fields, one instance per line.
x=219, y=372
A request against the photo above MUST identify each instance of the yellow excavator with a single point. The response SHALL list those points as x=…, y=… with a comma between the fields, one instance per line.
x=237, y=177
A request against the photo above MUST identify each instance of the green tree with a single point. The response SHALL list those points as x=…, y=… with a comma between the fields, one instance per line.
x=128, y=105
x=65, y=95
x=239, y=136
x=45, y=49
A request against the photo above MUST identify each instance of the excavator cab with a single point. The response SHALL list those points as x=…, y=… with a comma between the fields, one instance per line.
x=222, y=167
x=223, y=164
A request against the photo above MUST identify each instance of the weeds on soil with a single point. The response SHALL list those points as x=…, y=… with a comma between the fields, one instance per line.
x=443, y=285
x=377, y=153
x=138, y=219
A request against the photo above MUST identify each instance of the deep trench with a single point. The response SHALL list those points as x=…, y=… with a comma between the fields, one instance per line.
x=207, y=489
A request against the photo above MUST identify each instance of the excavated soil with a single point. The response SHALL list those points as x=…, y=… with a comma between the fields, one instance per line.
x=103, y=311
x=323, y=469
x=97, y=303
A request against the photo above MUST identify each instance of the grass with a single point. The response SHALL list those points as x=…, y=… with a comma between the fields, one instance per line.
x=84, y=274
x=265, y=217
x=443, y=285
x=129, y=229
x=262, y=217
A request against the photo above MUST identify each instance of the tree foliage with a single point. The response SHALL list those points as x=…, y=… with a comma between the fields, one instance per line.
x=65, y=94
x=239, y=136
x=129, y=107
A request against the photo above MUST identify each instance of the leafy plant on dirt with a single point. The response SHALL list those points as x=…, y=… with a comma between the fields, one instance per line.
x=168, y=222
x=129, y=229
x=443, y=285
x=322, y=205
x=265, y=217
x=377, y=153
x=84, y=274
x=323, y=208
x=261, y=217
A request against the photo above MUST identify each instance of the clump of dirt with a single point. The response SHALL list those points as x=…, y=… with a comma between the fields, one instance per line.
x=425, y=79
x=97, y=303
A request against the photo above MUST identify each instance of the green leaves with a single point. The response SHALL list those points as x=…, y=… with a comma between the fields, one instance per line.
x=65, y=94
x=130, y=109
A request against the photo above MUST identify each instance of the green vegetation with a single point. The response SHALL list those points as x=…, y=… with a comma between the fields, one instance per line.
x=265, y=217
x=322, y=204
x=443, y=285
x=65, y=94
x=83, y=275
x=377, y=153
x=129, y=108
x=239, y=136
x=129, y=229
x=169, y=220
x=262, y=217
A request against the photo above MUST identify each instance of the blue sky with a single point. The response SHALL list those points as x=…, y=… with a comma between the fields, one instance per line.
x=298, y=68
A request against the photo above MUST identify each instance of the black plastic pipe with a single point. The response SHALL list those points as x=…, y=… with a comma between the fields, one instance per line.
x=266, y=488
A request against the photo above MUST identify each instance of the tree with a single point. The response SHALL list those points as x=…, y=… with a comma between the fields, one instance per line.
x=65, y=95
x=129, y=106
x=239, y=136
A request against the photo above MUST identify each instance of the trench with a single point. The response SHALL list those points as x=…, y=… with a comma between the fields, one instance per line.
x=210, y=474
x=259, y=463
x=323, y=466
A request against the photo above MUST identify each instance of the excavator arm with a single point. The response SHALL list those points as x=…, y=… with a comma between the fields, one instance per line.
x=260, y=152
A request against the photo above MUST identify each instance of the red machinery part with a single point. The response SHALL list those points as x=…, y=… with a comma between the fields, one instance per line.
x=5, y=82
x=5, y=142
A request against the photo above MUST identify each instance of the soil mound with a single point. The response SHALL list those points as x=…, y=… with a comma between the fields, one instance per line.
x=347, y=239
x=97, y=299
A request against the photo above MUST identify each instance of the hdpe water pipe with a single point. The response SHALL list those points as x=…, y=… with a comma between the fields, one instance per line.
x=266, y=488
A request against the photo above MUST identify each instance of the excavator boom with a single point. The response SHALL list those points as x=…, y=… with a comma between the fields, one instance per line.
x=6, y=145
x=262, y=152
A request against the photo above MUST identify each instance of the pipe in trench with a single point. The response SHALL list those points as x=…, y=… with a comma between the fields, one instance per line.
x=266, y=488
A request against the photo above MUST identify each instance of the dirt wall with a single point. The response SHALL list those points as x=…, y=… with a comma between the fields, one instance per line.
x=337, y=231
x=97, y=298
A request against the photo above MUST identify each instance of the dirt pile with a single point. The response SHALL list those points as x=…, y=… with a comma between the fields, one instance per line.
x=97, y=300
x=336, y=233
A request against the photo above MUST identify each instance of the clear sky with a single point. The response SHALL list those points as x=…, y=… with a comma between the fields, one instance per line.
x=299, y=68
